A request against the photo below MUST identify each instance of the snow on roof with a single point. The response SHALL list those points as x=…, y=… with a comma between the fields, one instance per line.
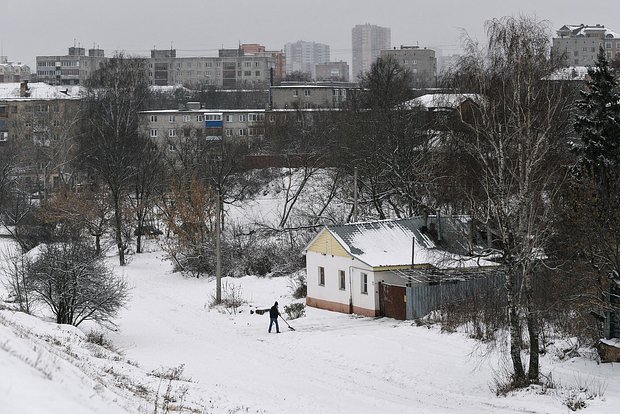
x=581, y=30
x=576, y=73
x=39, y=91
x=441, y=100
x=385, y=243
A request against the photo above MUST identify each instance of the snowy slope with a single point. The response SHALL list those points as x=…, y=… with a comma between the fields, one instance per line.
x=331, y=363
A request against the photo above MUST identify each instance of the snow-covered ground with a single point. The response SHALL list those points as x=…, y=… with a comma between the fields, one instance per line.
x=228, y=363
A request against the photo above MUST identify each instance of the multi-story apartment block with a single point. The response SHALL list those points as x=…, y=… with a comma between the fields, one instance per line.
x=231, y=69
x=367, y=42
x=71, y=69
x=42, y=121
x=580, y=43
x=420, y=61
x=279, y=68
x=311, y=95
x=332, y=71
x=303, y=56
x=168, y=127
x=12, y=71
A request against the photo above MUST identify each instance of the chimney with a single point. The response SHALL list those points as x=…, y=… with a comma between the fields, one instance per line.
x=24, y=91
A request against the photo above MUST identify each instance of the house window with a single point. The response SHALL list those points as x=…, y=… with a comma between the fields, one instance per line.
x=257, y=72
x=171, y=118
x=56, y=123
x=306, y=92
x=229, y=132
x=342, y=280
x=229, y=118
x=243, y=118
x=200, y=118
x=172, y=133
x=153, y=118
x=364, y=283
x=242, y=132
x=247, y=73
x=295, y=93
x=321, y=276
x=171, y=147
x=187, y=118
x=607, y=45
x=153, y=133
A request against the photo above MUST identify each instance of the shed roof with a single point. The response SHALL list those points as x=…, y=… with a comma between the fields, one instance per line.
x=39, y=91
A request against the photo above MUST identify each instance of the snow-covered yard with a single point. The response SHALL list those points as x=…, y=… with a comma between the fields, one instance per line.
x=331, y=363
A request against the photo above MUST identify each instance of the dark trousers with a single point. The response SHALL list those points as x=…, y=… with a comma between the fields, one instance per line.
x=274, y=320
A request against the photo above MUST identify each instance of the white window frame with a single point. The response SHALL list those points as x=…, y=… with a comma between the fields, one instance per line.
x=153, y=133
x=172, y=118
x=172, y=133
x=342, y=280
x=200, y=118
x=153, y=118
x=364, y=283
x=306, y=92
x=243, y=118
x=187, y=118
x=321, y=274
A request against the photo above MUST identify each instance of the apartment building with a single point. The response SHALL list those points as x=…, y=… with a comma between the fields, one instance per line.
x=231, y=69
x=41, y=120
x=71, y=69
x=303, y=56
x=13, y=71
x=420, y=61
x=580, y=43
x=367, y=42
x=279, y=68
x=332, y=71
x=317, y=95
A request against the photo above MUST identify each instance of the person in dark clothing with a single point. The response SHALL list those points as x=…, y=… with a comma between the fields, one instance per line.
x=273, y=315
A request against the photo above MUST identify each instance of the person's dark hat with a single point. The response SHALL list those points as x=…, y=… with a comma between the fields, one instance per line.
x=276, y=304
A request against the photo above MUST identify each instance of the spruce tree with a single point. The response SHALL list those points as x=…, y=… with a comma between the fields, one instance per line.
x=598, y=125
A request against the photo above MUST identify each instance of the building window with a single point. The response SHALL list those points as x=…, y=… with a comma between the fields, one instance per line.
x=295, y=93
x=247, y=73
x=257, y=64
x=243, y=118
x=607, y=45
x=171, y=147
x=257, y=72
x=56, y=123
x=187, y=118
x=342, y=280
x=242, y=132
x=153, y=133
x=306, y=92
x=172, y=133
x=364, y=283
x=200, y=118
x=321, y=276
x=247, y=64
x=229, y=132
x=171, y=118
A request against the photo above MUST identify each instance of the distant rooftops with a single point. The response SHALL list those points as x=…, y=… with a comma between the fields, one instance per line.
x=17, y=91
x=583, y=30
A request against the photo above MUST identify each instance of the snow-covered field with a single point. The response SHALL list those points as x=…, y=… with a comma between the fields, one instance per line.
x=228, y=363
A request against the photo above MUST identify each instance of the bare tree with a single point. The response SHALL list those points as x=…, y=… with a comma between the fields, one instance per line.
x=75, y=283
x=112, y=143
x=511, y=153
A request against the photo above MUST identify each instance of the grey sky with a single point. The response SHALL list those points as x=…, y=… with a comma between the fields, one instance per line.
x=200, y=27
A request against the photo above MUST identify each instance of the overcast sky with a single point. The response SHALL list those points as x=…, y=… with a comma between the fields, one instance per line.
x=200, y=27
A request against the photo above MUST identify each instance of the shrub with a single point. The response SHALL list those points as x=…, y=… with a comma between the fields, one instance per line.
x=295, y=310
x=298, y=285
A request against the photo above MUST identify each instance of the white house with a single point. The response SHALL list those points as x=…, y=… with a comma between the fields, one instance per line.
x=345, y=263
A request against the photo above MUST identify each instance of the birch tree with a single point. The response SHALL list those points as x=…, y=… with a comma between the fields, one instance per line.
x=510, y=151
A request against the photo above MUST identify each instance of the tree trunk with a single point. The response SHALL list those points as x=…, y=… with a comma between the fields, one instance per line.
x=118, y=220
x=515, y=332
x=532, y=328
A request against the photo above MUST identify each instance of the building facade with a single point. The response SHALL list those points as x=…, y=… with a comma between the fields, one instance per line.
x=71, y=69
x=332, y=71
x=303, y=56
x=231, y=69
x=12, y=71
x=316, y=95
x=580, y=43
x=367, y=42
x=420, y=61
x=42, y=122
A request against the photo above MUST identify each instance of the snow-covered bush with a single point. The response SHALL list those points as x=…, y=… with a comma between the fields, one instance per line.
x=295, y=310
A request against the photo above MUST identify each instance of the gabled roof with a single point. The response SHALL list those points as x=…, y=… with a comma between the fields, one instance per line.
x=388, y=243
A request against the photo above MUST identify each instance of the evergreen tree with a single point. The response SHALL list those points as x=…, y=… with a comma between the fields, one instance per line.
x=598, y=125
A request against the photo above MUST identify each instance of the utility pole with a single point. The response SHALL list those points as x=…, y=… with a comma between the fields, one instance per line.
x=354, y=194
x=218, y=263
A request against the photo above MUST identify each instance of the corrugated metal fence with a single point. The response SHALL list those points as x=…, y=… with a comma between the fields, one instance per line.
x=423, y=299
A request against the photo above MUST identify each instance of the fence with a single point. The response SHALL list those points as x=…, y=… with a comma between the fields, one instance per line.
x=423, y=299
